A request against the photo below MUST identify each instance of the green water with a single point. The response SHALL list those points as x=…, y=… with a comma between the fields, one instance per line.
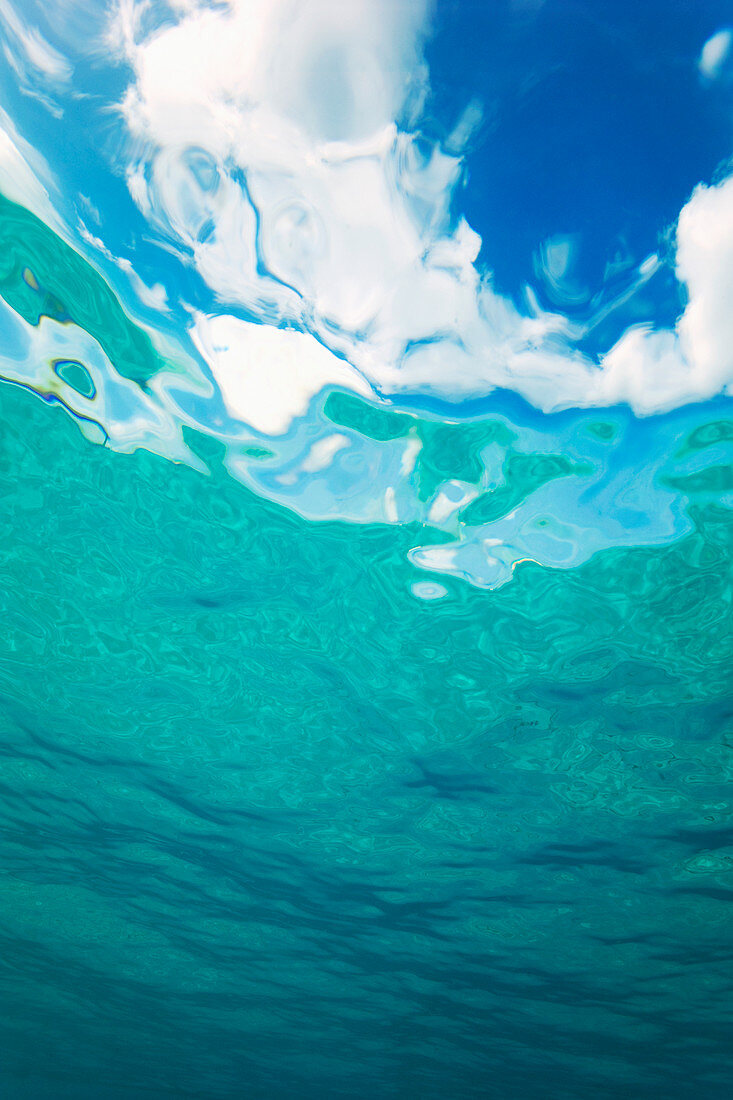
x=42, y=276
x=271, y=826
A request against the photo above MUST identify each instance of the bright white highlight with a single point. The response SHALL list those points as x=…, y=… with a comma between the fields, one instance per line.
x=268, y=376
x=705, y=265
x=716, y=53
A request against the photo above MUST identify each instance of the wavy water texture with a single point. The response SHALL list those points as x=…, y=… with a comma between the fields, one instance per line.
x=334, y=840
x=501, y=489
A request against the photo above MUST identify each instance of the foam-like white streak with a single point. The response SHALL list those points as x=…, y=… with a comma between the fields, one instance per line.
x=265, y=146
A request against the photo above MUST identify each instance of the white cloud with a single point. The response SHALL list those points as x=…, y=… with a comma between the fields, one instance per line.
x=654, y=371
x=264, y=145
x=716, y=53
x=40, y=69
x=31, y=50
x=267, y=375
x=705, y=265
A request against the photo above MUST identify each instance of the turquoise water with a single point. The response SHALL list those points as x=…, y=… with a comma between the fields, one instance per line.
x=366, y=490
x=273, y=826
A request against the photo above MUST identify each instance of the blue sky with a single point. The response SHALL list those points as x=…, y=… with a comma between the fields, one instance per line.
x=597, y=122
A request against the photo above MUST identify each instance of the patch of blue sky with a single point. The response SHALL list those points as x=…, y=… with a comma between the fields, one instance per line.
x=596, y=125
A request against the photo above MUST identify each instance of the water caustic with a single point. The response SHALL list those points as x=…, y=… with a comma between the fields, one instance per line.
x=365, y=712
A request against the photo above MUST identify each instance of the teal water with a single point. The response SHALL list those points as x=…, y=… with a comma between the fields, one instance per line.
x=272, y=826
x=366, y=496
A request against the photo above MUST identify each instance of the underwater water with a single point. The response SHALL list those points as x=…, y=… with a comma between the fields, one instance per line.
x=366, y=430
